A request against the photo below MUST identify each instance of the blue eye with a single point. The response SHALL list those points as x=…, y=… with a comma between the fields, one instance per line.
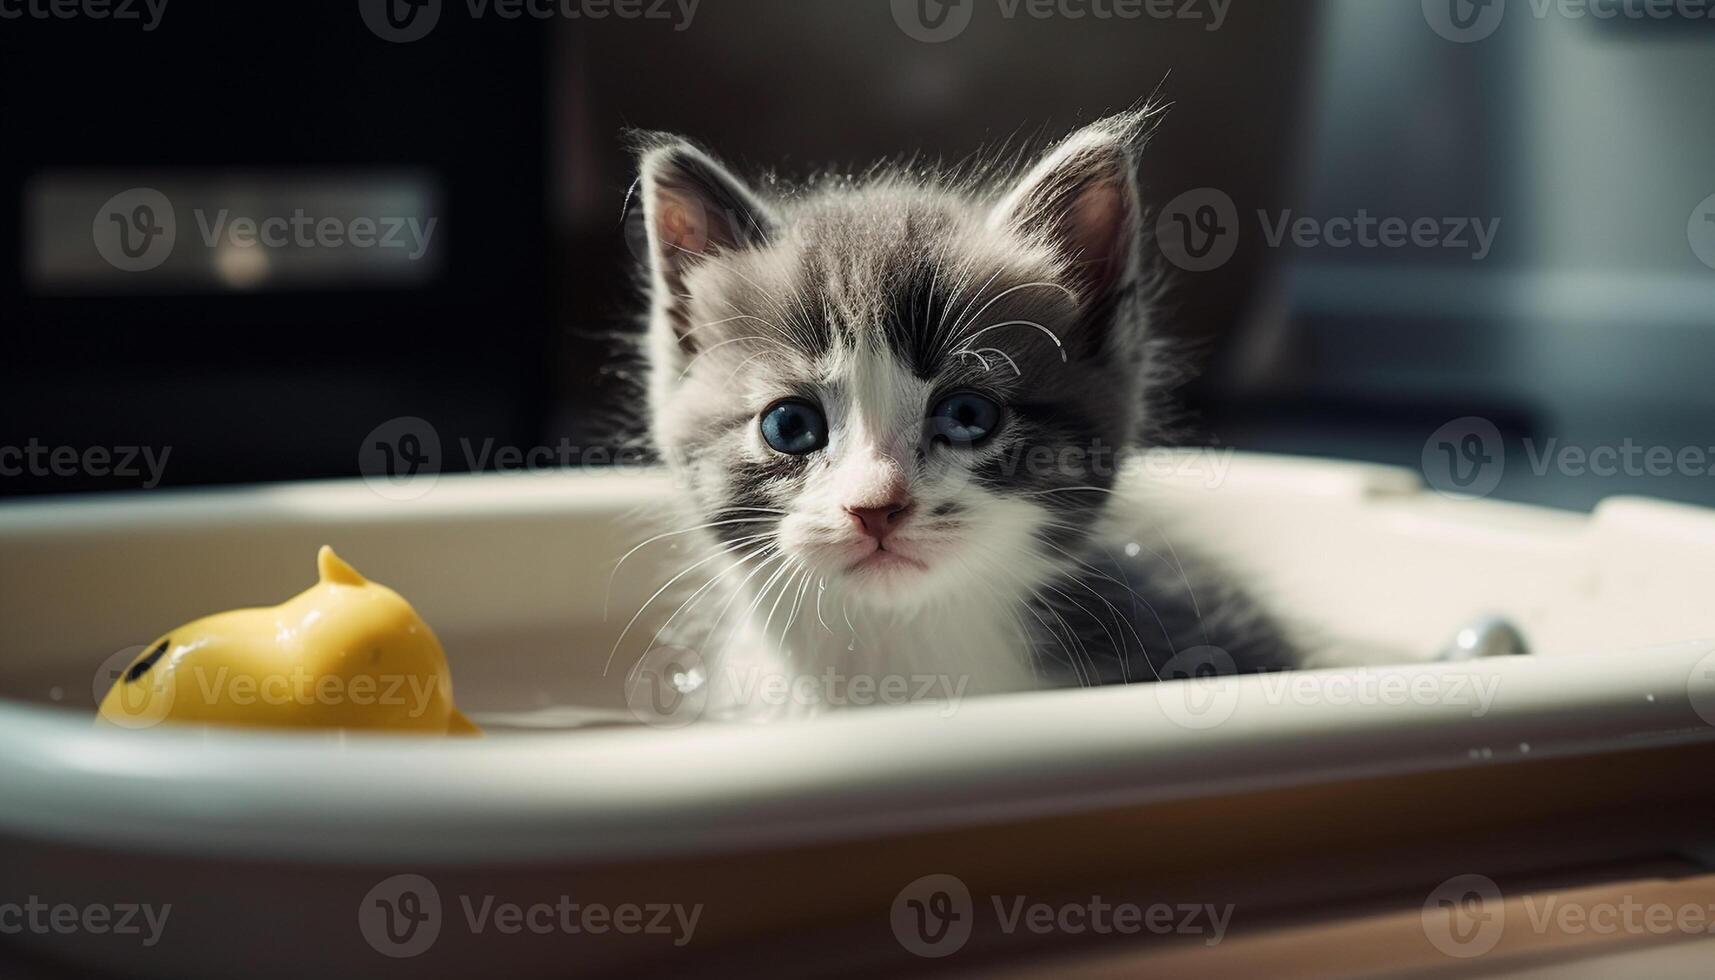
x=965, y=417
x=795, y=428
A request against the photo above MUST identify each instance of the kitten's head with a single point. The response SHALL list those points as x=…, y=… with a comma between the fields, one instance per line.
x=904, y=384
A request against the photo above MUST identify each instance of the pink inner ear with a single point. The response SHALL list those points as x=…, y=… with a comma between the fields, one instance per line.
x=1095, y=230
x=681, y=223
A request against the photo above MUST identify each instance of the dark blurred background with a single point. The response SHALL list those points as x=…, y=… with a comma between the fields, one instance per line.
x=1577, y=135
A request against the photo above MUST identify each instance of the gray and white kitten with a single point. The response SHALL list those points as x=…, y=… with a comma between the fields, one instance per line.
x=897, y=406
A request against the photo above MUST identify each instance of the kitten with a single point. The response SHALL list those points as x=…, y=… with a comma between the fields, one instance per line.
x=897, y=406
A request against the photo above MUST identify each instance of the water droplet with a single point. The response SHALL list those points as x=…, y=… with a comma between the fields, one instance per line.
x=852, y=645
x=1488, y=753
x=1524, y=747
x=1133, y=549
x=1475, y=754
x=56, y=694
x=1650, y=698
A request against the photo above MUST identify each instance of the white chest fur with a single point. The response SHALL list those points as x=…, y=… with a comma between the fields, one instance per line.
x=801, y=651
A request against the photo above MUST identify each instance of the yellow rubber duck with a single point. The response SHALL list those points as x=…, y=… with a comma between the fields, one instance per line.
x=346, y=653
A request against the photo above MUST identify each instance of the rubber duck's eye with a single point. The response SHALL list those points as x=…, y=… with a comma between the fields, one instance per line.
x=141, y=667
x=965, y=418
x=794, y=427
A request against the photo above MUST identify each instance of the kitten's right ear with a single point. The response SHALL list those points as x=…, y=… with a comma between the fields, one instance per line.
x=693, y=208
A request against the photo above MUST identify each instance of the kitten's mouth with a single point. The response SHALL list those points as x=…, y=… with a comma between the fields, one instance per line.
x=883, y=560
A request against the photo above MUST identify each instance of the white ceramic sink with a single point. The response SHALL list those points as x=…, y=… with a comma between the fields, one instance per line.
x=512, y=571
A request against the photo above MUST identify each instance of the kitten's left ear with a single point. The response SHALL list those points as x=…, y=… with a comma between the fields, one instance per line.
x=693, y=209
x=1081, y=200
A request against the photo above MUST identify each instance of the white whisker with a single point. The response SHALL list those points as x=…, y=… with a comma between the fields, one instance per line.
x=1019, y=323
x=735, y=340
x=1044, y=284
x=821, y=587
x=701, y=590
x=999, y=353
x=714, y=627
x=669, y=534
x=694, y=566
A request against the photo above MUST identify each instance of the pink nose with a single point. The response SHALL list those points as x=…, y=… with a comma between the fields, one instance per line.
x=879, y=522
